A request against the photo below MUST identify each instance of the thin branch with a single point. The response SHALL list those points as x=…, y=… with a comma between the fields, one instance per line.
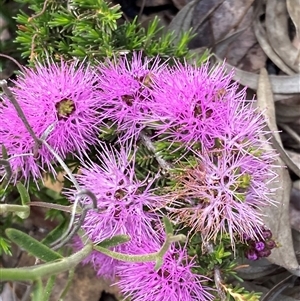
x=69, y=234
x=141, y=9
x=40, y=13
x=52, y=206
x=291, y=132
x=217, y=275
x=148, y=143
x=13, y=60
x=10, y=96
x=63, y=165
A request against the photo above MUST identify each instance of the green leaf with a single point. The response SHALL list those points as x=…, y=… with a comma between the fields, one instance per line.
x=32, y=245
x=61, y=19
x=46, y=269
x=125, y=257
x=25, y=198
x=68, y=284
x=20, y=210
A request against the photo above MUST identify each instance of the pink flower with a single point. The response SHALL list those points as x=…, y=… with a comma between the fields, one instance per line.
x=124, y=203
x=189, y=103
x=122, y=199
x=60, y=95
x=223, y=184
x=126, y=85
x=223, y=193
x=173, y=281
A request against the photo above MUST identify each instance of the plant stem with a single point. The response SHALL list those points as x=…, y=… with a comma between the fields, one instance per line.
x=46, y=269
x=5, y=208
x=10, y=96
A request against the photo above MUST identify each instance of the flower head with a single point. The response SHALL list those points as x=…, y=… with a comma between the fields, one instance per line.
x=189, y=103
x=60, y=96
x=123, y=204
x=173, y=281
x=125, y=91
x=223, y=193
x=122, y=199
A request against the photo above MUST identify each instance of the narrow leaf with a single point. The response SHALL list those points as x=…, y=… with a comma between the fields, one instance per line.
x=37, y=293
x=125, y=257
x=46, y=269
x=20, y=210
x=49, y=287
x=32, y=245
x=25, y=198
x=281, y=84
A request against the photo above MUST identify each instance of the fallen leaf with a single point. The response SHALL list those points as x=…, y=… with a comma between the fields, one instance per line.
x=287, y=112
x=278, y=34
x=151, y=3
x=277, y=218
x=182, y=21
x=256, y=269
x=261, y=36
x=179, y=3
x=293, y=7
x=281, y=84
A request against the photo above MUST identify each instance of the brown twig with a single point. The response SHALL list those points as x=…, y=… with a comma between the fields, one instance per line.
x=13, y=60
x=10, y=96
x=141, y=9
x=40, y=13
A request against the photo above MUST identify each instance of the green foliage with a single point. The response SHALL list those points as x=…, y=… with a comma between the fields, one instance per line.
x=5, y=246
x=220, y=255
x=145, y=162
x=89, y=29
x=32, y=245
x=8, y=9
x=238, y=293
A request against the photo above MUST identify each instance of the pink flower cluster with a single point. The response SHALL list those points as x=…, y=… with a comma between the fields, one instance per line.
x=62, y=96
x=123, y=208
x=220, y=187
